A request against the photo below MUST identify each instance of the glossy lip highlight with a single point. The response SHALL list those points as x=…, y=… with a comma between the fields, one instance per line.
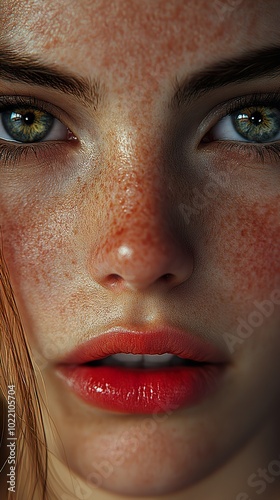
x=142, y=390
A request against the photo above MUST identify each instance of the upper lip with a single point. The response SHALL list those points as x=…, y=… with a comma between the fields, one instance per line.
x=161, y=340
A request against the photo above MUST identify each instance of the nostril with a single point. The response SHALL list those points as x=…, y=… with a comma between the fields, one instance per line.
x=113, y=280
x=132, y=267
x=167, y=278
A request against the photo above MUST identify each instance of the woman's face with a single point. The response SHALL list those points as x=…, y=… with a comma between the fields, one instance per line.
x=146, y=215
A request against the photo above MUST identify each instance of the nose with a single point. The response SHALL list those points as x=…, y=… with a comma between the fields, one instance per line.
x=141, y=243
x=140, y=251
x=141, y=262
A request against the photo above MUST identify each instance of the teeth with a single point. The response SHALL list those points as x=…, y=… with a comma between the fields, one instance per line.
x=142, y=360
x=150, y=360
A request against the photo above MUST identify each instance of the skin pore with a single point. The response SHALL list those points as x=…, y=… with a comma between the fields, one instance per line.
x=91, y=225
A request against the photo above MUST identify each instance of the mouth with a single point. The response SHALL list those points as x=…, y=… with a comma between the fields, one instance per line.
x=133, y=372
x=144, y=361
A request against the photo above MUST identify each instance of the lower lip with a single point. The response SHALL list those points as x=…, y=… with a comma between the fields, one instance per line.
x=142, y=391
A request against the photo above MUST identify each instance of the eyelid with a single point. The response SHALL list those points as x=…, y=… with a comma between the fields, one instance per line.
x=230, y=106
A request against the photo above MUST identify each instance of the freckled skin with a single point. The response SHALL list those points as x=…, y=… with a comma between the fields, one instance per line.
x=256, y=251
x=90, y=230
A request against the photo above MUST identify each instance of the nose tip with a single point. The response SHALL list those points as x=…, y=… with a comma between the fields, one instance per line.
x=163, y=265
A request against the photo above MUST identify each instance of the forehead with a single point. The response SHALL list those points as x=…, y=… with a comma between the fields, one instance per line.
x=152, y=38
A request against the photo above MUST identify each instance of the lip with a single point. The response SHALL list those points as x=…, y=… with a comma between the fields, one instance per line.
x=137, y=390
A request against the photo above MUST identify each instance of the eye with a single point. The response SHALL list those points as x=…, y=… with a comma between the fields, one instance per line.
x=26, y=124
x=255, y=124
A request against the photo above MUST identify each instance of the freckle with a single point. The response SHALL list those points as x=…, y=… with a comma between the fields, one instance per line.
x=62, y=310
x=249, y=252
x=52, y=43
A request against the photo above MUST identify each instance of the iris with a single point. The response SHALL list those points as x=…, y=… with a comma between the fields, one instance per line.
x=27, y=124
x=257, y=123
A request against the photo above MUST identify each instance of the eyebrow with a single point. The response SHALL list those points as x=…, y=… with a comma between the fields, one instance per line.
x=29, y=69
x=248, y=66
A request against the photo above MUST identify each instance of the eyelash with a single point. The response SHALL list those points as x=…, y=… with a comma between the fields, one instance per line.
x=269, y=100
x=12, y=153
x=263, y=152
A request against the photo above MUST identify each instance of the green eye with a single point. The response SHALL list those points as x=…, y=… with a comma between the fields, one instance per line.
x=27, y=124
x=257, y=123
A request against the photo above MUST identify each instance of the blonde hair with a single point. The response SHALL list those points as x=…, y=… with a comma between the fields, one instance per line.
x=16, y=368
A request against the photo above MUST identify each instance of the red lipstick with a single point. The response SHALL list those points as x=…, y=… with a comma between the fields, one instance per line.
x=96, y=376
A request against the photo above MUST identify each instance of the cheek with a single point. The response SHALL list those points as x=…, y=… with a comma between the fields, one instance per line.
x=249, y=248
x=38, y=249
x=47, y=247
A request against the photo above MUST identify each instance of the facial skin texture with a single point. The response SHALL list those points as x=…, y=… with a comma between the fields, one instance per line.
x=66, y=215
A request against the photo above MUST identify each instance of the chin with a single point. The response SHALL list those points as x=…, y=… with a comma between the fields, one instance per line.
x=142, y=456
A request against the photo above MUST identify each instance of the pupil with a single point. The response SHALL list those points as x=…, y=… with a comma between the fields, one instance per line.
x=28, y=118
x=256, y=118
